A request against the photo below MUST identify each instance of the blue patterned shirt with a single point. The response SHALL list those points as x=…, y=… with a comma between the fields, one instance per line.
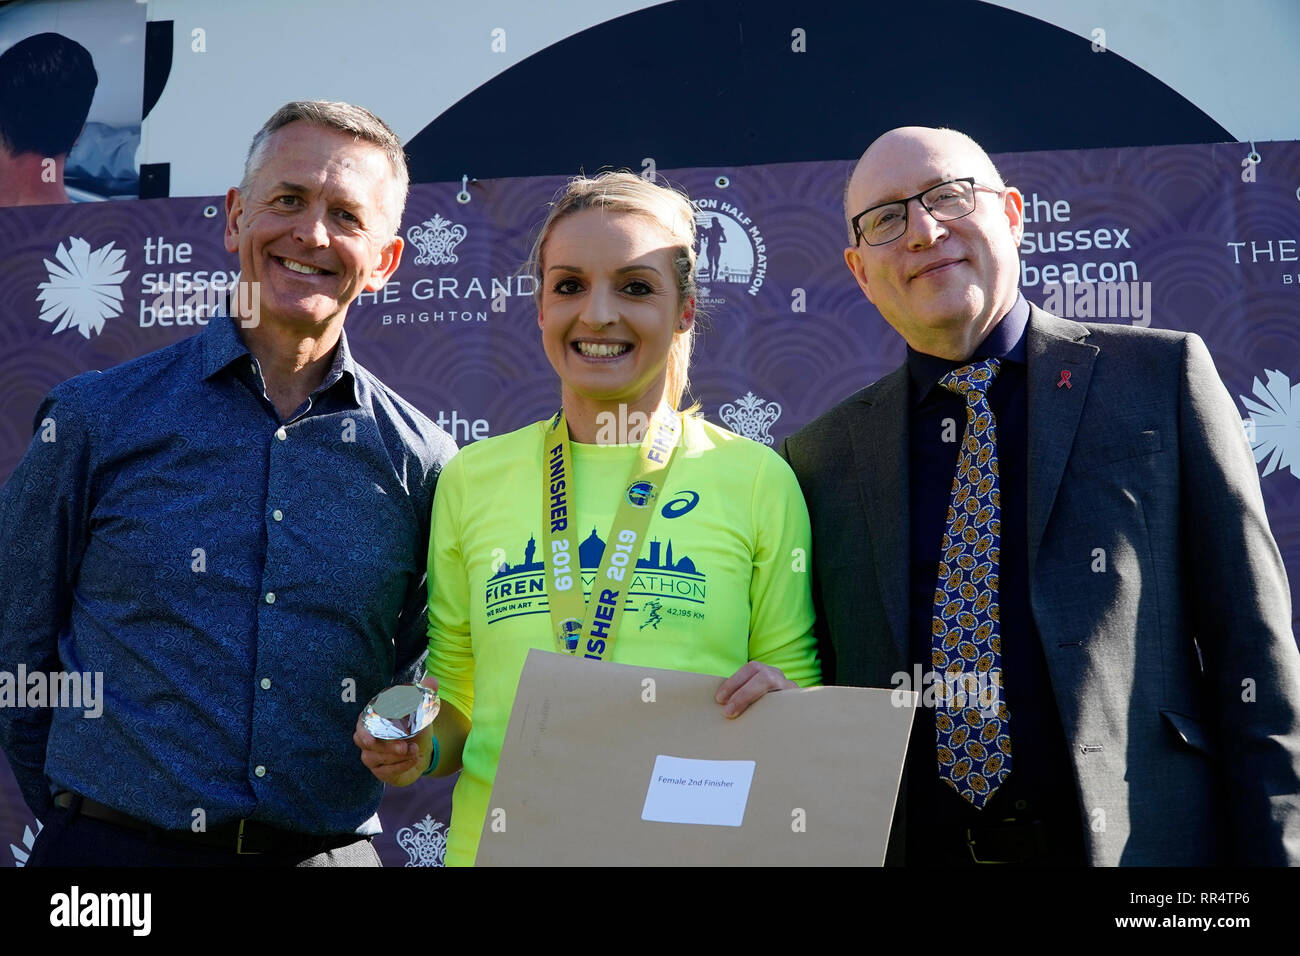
x=243, y=585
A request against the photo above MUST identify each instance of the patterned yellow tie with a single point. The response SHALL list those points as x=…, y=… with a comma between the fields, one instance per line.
x=971, y=720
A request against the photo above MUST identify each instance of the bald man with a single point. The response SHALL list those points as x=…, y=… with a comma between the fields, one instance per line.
x=1053, y=531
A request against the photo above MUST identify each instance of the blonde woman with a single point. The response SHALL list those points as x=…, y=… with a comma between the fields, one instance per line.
x=690, y=532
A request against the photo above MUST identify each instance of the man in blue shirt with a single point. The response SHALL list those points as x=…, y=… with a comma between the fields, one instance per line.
x=230, y=535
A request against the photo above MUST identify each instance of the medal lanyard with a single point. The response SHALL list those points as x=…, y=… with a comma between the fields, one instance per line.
x=590, y=630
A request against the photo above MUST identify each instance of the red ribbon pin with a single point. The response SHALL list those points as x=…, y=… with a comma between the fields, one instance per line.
x=1065, y=379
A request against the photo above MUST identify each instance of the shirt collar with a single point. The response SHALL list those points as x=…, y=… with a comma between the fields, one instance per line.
x=342, y=369
x=1006, y=341
x=223, y=346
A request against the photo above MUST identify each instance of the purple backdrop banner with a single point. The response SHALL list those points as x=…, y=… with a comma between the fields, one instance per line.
x=1195, y=238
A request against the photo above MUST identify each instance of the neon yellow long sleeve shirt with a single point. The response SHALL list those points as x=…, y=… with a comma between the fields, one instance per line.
x=722, y=579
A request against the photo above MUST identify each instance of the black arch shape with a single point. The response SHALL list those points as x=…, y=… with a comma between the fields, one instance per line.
x=715, y=82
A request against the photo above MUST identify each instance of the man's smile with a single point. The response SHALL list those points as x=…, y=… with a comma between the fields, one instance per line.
x=937, y=266
x=302, y=268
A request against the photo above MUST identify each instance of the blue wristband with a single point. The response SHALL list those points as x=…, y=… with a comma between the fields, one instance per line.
x=433, y=761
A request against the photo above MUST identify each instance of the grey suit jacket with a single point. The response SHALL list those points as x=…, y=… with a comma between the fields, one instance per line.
x=1156, y=587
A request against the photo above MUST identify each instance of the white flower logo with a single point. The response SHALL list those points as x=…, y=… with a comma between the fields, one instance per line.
x=84, y=287
x=1274, y=425
x=29, y=840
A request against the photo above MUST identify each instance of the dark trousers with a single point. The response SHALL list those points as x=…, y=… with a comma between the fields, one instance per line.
x=70, y=838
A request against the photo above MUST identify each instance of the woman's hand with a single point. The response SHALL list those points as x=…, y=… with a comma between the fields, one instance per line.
x=396, y=762
x=749, y=684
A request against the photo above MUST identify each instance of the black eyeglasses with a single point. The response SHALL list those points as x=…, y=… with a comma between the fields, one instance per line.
x=947, y=201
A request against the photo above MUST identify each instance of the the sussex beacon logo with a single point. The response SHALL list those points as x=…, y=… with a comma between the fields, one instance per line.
x=22, y=853
x=751, y=416
x=437, y=239
x=83, y=287
x=1273, y=427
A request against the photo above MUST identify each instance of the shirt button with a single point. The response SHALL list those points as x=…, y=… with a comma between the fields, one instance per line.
x=277, y=514
x=281, y=434
x=260, y=770
x=270, y=597
x=266, y=683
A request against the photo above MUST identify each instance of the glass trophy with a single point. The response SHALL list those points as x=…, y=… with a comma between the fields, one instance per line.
x=401, y=711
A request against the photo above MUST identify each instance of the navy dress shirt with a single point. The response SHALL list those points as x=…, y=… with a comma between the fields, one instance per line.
x=1041, y=784
x=243, y=584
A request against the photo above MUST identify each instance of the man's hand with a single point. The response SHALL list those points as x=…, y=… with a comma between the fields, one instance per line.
x=396, y=762
x=749, y=684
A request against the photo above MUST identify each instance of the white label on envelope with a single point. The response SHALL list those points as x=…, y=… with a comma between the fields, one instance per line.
x=698, y=791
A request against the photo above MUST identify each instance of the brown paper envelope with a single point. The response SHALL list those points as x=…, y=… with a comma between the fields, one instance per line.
x=584, y=735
